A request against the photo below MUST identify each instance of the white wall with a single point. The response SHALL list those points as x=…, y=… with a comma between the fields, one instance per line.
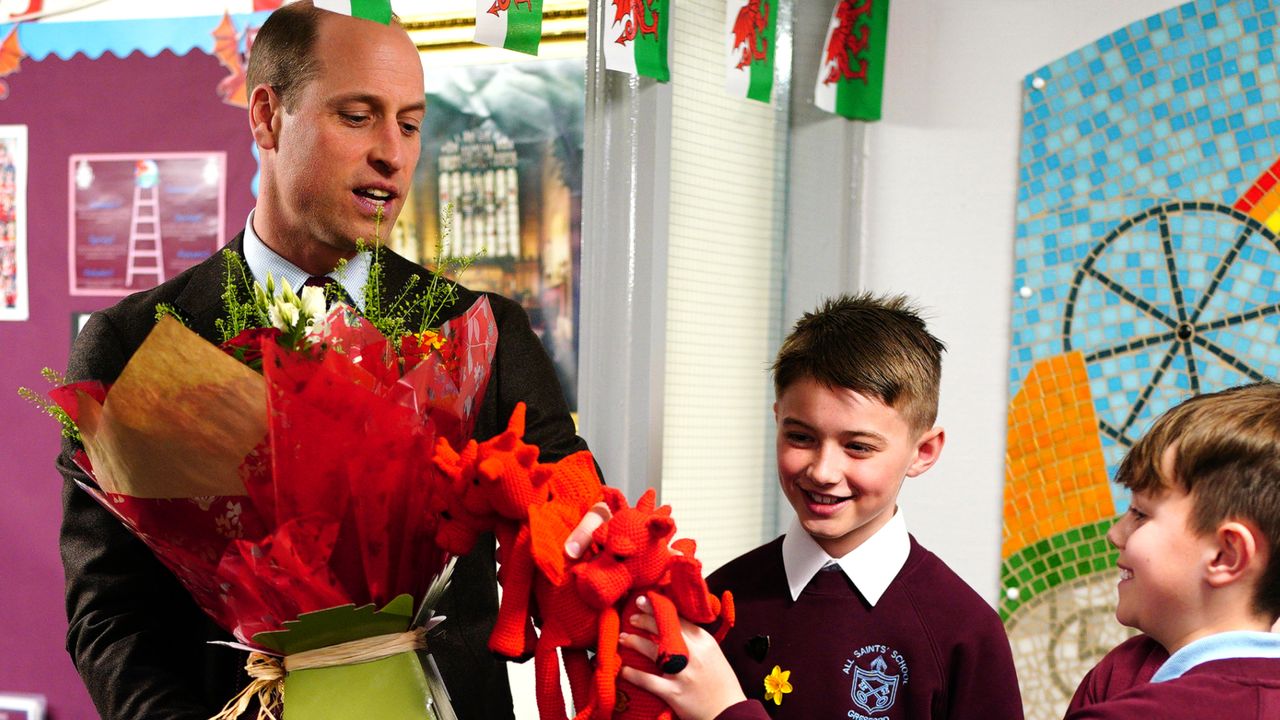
x=938, y=214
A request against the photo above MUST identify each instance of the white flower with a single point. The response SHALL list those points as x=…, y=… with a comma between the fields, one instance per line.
x=313, y=302
x=283, y=314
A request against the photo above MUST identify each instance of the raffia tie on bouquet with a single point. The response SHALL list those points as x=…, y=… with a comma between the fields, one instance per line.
x=268, y=672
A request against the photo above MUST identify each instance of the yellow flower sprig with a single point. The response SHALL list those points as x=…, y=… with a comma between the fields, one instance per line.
x=777, y=684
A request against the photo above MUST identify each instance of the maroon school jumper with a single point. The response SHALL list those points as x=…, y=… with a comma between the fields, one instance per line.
x=1232, y=689
x=930, y=648
x=1129, y=664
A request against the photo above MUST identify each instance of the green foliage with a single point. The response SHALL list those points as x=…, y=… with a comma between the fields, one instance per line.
x=425, y=302
x=241, y=314
x=57, y=379
x=164, y=310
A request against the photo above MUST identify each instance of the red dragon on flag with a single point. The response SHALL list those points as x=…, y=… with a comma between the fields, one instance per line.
x=633, y=13
x=752, y=20
x=848, y=41
x=501, y=6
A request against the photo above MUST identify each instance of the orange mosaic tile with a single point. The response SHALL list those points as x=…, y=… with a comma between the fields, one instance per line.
x=1055, y=474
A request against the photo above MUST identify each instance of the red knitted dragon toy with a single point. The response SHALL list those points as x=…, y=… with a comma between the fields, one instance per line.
x=499, y=486
x=633, y=556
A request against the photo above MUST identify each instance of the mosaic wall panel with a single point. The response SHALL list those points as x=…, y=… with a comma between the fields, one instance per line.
x=1146, y=271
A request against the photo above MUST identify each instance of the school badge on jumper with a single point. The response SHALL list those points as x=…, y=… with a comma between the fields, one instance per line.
x=878, y=671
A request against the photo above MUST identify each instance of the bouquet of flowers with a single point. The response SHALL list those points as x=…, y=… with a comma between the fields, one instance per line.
x=286, y=478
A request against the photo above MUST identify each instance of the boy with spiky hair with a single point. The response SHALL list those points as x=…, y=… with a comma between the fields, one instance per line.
x=1199, y=567
x=847, y=615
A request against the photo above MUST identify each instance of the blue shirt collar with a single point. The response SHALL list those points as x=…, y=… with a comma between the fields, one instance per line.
x=1222, y=646
x=262, y=260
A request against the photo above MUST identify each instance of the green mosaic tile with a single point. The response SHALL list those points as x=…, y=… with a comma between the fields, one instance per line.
x=1051, y=562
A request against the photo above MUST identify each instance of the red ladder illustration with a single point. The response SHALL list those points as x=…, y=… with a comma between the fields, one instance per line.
x=145, y=255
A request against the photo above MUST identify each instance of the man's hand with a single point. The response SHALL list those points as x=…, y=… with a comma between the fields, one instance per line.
x=580, y=538
x=704, y=689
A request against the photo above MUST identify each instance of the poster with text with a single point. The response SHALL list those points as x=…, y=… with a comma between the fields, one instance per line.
x=140, y=219
x=13, y=222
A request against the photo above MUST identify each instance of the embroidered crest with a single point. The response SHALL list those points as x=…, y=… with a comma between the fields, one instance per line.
x=878, y=672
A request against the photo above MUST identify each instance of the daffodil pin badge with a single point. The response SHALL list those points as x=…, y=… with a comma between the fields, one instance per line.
x=777, y=684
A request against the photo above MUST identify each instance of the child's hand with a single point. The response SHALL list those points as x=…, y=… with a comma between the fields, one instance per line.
x=704, y=689
x=580, y=538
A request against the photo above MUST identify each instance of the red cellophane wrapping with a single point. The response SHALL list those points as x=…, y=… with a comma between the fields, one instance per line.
x=303, y=488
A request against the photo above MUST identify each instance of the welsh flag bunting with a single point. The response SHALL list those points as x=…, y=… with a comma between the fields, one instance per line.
x=851, y=70
x=636, y=41
x=511, y=24
x=749, y=29
x=376, y=10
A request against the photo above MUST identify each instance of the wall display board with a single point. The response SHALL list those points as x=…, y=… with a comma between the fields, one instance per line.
x=137, y=220
x=13, y=222
x=1146, y=271
x=140, y=90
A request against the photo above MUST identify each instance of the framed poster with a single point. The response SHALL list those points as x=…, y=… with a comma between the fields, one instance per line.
x=137, y=220
x=13, y=223
x=21, y=706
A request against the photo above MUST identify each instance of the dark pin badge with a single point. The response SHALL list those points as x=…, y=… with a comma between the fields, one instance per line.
x=758, y=647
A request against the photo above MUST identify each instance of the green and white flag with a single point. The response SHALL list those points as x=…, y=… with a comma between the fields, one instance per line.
x=376, y=10
x=636, y=40
x=749, y=27
x=851, y=70
x=511, y=24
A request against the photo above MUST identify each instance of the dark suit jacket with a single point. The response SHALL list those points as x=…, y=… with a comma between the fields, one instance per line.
x=137, y=638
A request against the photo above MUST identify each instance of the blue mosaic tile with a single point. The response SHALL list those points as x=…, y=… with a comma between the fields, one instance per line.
x=1180, y=111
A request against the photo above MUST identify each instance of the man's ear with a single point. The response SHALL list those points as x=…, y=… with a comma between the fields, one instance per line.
x=265, y=112
x=1236, y=550
x=928, y=449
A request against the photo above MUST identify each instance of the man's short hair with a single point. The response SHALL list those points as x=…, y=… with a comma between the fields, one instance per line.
x=1228, y=460
x=873, y=345
x=282, y=54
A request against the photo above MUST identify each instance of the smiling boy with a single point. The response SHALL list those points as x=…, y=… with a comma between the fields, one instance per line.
x=847, y=615
x=1199, y=571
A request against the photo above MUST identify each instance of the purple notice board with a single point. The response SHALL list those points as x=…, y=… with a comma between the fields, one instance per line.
x=139, y=219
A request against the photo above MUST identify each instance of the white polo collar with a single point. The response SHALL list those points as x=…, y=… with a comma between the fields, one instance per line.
x=871, y=566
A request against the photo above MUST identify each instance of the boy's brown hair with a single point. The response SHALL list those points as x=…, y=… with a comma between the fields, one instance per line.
x=1228, y=460
x=874, y=345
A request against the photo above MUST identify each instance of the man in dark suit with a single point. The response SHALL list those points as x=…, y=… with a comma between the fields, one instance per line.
x=335, y=107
